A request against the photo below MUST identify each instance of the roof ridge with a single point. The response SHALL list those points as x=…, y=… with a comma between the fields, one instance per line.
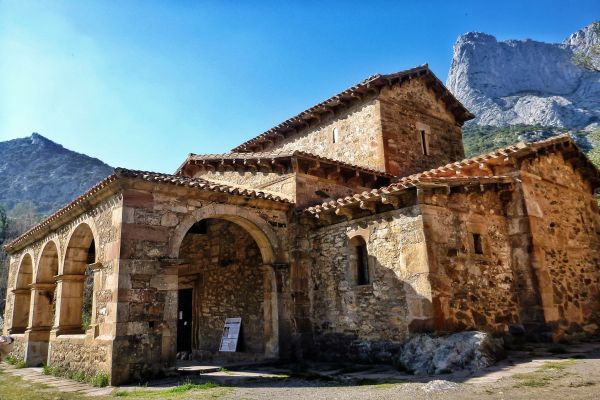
x=379, y=80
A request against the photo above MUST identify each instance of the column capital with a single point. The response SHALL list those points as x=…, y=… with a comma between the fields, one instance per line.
x=97, y=266
x=42, y=286
x=69, y=277
x=172, y=262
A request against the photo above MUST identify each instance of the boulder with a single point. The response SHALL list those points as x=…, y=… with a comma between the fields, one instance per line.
x=428, y=354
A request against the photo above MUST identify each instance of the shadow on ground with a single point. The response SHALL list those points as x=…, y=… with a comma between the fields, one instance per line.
x=520, y=360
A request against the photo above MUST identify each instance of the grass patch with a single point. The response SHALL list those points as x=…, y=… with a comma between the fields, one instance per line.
x=16, y=388
x=544, y=375
x=186, y=387
x=12, y=360
x=99, y=379
x=212, y=390
x=557, y=365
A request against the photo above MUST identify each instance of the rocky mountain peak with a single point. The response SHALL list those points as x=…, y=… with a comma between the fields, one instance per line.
x=38, y=171
x=528, y=81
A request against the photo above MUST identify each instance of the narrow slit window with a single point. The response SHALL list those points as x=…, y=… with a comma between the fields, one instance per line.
x=424, y=142
x=477, y=245
x=334, y=135
x=362, y=265
x=359, y=261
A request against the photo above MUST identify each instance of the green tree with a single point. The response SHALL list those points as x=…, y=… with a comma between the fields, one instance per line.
x=3, y=224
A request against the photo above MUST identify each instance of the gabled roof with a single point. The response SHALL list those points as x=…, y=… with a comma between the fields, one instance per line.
x=451, y=174
x=371, y=84
x=77, y=206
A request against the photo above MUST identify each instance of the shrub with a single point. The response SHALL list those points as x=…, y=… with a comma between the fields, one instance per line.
x=99, y=380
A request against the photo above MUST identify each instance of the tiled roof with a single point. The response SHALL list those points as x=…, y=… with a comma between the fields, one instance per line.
x=153, y=177
x=275, y=155
x=448, y=174
x=374, y=82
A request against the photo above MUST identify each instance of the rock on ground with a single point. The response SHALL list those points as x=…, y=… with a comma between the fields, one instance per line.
x=427, y=354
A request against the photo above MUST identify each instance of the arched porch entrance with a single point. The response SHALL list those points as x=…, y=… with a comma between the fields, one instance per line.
x=22, y=293
x=75, y=283
x=225, y=272
x=43, y=292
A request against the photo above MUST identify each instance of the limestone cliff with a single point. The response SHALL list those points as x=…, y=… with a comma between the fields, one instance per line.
x=529, y=82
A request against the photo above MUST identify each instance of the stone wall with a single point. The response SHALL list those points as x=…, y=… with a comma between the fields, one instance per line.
x=310, y=190
x=407, y=109
x=368, y=322
x=226, y=275
x=78, y=354
x=470, y=290
x=282, y=184
x=358, y=132
x=155, y=222
x=565, y=226
x=88, y=352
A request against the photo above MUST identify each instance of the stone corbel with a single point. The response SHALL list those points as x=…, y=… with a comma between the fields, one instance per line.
x=344, y=212
x=173, y=262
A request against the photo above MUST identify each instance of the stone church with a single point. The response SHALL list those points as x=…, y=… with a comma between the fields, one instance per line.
x=334, y=235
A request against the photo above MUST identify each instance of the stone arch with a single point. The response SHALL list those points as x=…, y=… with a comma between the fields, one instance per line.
x=270, y=252
x=22, y=294
x=43, y=291
x=47, y=265
x=81, y=235
x=258, y=228
x=75, y=280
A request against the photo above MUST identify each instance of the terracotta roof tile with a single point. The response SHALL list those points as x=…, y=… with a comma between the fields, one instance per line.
x=155, y=177
x=278, y=154
x=438, y=174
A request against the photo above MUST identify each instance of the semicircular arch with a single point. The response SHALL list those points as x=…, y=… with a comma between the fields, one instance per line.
x=77, y=245
x=48, y=261
x=259, y=229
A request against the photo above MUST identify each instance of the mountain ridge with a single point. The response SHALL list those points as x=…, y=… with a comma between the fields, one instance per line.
x=527, y=81
x=42, y=172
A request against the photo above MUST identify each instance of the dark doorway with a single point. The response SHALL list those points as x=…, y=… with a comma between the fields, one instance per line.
x=184, y=320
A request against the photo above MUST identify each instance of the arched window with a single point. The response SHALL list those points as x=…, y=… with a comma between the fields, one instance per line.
x=359, y=261
x=334, y=135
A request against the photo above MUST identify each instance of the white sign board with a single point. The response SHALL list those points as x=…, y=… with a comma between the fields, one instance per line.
x=231, y=333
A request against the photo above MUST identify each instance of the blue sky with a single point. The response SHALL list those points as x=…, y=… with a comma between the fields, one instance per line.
x=141, y=84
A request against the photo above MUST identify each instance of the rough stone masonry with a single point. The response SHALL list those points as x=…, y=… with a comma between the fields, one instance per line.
x=337, y=234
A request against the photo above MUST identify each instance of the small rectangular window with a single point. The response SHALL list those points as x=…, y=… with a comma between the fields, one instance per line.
x=477, y=245
x=424, y=143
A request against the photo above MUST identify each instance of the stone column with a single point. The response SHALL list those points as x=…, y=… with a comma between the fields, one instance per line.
x=168, y=282
x=69, y=304
x=271, y=312
x=37, y=335
x=97, y=271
